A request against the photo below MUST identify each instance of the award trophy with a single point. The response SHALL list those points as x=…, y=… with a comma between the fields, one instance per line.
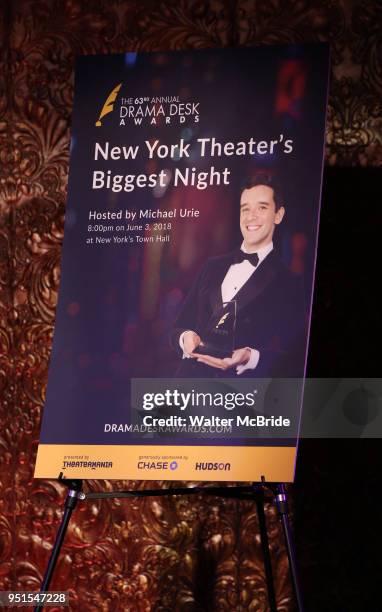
x=218, y=339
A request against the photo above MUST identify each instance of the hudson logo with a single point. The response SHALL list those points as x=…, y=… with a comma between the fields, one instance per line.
x=225, y=467
x=108, y=107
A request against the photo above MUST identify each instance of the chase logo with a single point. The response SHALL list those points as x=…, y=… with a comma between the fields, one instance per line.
x=108, y=107
x=157, y=465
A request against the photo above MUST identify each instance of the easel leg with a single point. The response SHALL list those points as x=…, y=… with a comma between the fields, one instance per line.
x=282, y=506
x=265, y=548
x=74, y=492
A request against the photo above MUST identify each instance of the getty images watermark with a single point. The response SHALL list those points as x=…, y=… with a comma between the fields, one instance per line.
x=331, y=407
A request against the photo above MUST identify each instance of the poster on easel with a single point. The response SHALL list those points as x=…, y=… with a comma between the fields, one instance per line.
x=187, y=274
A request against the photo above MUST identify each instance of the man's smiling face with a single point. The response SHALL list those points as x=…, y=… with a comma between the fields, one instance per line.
x=258, y=216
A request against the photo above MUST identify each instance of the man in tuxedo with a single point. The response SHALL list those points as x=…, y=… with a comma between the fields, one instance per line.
x=271, y=320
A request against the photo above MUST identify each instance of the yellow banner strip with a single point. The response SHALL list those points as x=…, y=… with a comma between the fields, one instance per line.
x=215, y=463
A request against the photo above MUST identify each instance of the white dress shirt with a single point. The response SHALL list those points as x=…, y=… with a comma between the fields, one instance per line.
x=238, y=274
x=236, y=277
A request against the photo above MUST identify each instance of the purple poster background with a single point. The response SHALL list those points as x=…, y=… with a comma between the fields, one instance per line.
x=120, y=293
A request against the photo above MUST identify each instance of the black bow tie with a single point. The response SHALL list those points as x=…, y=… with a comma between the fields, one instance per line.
x=240, y=256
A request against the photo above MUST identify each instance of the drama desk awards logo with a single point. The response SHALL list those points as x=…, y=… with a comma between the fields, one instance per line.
x=154, y=110
x=108, y=107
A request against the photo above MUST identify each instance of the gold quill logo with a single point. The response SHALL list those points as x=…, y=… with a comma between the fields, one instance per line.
x=108, y=107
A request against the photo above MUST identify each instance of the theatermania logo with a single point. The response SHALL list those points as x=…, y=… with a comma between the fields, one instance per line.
x=152, y=110
x=88, y=464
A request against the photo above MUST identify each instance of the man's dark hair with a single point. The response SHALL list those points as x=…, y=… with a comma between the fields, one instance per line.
x=269, y=180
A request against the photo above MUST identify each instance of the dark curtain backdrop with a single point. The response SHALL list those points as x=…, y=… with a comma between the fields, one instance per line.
x=186, y=553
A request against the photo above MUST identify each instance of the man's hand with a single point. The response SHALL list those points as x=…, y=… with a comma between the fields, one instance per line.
x=239, y=357
x=191, y=341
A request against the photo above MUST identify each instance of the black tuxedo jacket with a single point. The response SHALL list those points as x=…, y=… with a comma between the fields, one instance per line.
x=271, y=317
